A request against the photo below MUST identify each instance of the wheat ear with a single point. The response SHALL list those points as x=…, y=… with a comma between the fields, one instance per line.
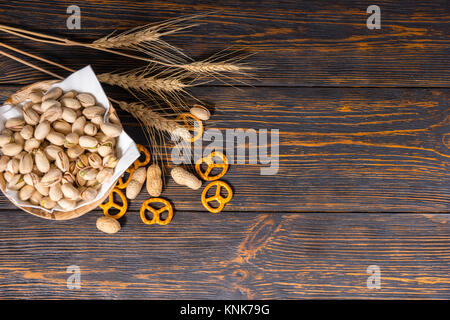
x=154, y=120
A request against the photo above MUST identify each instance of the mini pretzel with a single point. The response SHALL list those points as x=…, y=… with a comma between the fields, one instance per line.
x=209, y=160
x=188, y=126
x=123, y=185
x=111, y=204
x=138, y=163
x=217, y=197
x=156, y=212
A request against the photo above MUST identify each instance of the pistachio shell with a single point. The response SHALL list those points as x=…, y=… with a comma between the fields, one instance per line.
x=97, y=120
x=6, y=132
x=49, y=104
x=68, y=177
x=62, y=126
x=94, y=111
x=37, y=108
x=78, y=125
x=36, y=197
x=88, y=142
x=41, y=161
x=110, y=161
x=11, y=149
x=43, y=189
x=53, y=93
x=69, y=115
x=5, y=139
x=26, y=192
x=36, y=96
x=16, y=182
x=27, y=132
x=13, y=166
x=70, y=192
x=104, y=175
x=82, y=161
x=52, y=114
x=18, y=138
x=108, y=225
x=42, y=130
x=4, y=162
x=110, y=129
x=74, y=152
x=88, y=173
x=71, y=140
x=86, y=99
x=69, y=94
x=52, y=151
x=56, y=138
x=88, y=194
x=71, y=103
x=31, y=144
x=105, y=149
x=62, y=161
x=55, y=193
x=31, y=179
x=114, y=118
x=95, y=161
x=90, y=129
x=31, y=116
x=15, y=124
x=47, y=203
x=52, y=177
x=67, y=204
x=8, y=176
x=26, y=164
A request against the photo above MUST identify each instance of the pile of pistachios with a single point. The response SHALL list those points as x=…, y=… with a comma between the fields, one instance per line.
x=61, y=151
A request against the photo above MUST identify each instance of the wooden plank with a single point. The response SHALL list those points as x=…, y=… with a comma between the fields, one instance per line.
x=228, y=256
x=374, y=150
x=307, y=43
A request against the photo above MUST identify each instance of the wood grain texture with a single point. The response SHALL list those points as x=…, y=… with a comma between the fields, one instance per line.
x=341, y=149
x=299, y=43
x=247, y=256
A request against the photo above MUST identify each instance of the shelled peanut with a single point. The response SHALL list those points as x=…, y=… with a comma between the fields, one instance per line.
x=61, y=151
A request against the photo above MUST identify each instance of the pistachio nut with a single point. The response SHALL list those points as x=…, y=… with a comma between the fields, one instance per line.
x=56, y=138
x=53, y=93
x=110, y=129
x=62, y=126
x=31, y=144
x=104, y=175
x=4, y=162
x=69, y=115
x=45, y=105
x=67, y=204
x=62, y=161
x=78, y=125
x=11, y=149
x=26, y=192
x=31, y=178
x=68, y=177
x=6, y=132
x=53, y=176
x=52, y=114
x=70, y=192
x=55, y=193
x=90, y=129
x=37, y=108
x=52, y=151
x=69, y=94
x=86, y=99
x=36, y=197
x=88, y=173
x=15, y=124
x=110, y=161
x=41, y=161
x=8, y=176
x=13, y=166
x=105, y=149
x=43, y=189
x=18, y=138
x=94, y=111
x=47, y=203
x=5, y=139
x=88, y=194
x=31, y=116
x=26, y=164
x=95, y=161
x=114, y=118
x=71, y=140
x=74, y=152
x=97, y=120
x=42, y=130
x=88, y=142
x=16, y=182
x=27, y=132
x=71, y=103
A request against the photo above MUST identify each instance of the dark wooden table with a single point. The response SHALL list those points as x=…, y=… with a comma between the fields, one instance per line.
x=363, y=180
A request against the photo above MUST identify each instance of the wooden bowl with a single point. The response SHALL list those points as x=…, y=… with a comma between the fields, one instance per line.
x=19, y=97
